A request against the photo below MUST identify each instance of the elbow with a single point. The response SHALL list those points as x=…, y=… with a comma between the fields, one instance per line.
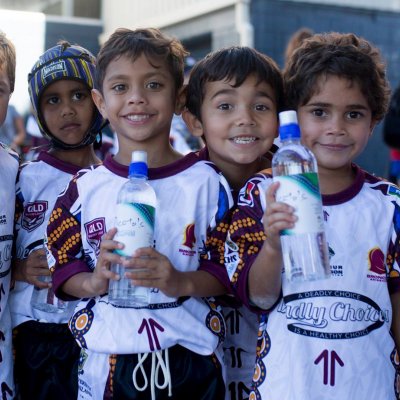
x=264, y=302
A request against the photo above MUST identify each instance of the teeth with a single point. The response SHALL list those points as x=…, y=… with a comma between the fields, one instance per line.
x=244, y=140
x=138, y=117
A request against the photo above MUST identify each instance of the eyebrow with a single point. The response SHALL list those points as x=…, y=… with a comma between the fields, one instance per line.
x=148, y=75
x=321, y=104
x=258, y=93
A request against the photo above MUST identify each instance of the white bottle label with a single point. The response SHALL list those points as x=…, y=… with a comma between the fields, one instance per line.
x=135, y=224
x=301, y=191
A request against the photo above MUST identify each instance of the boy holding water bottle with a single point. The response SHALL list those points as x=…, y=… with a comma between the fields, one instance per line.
x=232, y=101
x=336, y=337
x=171, y=346
x=46, y=354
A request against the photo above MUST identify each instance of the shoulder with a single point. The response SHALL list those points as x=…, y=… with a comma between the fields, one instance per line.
x=8, y=154
x=251, y=192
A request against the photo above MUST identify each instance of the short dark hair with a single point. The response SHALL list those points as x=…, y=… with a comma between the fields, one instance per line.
x=151, y=42
x=232, y=63
x=337, y=54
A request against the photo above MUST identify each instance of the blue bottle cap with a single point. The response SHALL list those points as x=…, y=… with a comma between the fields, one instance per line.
x=288, y=125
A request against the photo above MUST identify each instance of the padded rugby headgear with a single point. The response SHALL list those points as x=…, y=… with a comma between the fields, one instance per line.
x=63, y=61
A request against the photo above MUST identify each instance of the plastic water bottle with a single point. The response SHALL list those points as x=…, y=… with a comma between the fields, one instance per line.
x=45, y=299
x=304, y=247
x=135, y=212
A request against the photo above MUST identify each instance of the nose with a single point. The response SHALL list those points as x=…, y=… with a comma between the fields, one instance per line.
x=68, y=109
x=136, y=96
x=337, y=126
x=245, y=117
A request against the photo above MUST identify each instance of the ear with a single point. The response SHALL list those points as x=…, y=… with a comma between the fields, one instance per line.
x=374, y=122
x=180, y=100
x=98, y=99
x=193, y=123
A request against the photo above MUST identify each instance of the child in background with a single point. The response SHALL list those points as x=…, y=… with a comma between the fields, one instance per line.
x=46, y=354
x=172, y=346
x=233, y=98
x=332, y=338
x=8, y=172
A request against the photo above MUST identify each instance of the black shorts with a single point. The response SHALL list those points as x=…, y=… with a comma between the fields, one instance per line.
x=46, y=361
x=193, y=377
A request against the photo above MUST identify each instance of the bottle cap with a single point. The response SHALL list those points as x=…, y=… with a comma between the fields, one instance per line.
x=288, y=125
x=138, y=165
x=139, y=155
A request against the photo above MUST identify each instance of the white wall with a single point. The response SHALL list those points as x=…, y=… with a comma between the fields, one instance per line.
x=27, y=31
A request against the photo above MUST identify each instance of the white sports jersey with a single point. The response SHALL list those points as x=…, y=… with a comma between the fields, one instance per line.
x=330, y=339
x=241, y=324
x=38, y=185
x=190, y=197
x=8, y=173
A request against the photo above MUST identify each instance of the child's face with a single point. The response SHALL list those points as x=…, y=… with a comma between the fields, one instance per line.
x=138, y=99
x=238, y=123
x=68, y=110
x=5, y=93
x=336, y=123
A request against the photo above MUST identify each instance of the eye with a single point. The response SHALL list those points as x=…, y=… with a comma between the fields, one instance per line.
x=261, y=107
x=225, y=107
x=318, y=112
x=53, y=100
x=120, y=87
x=79, y=96
x=154, y=85
x=354, y=114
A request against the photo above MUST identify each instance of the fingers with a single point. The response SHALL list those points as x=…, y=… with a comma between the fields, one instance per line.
x=36, y=281
x=108, y=256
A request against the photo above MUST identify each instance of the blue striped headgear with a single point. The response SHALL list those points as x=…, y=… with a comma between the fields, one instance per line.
x=63, y=61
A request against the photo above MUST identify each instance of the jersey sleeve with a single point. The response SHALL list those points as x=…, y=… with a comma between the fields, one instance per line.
x=234, y=244
x=65, y=250
x=210, y=260
x=393, y=254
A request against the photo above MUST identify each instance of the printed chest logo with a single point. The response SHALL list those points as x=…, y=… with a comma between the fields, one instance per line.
x=332, y=314
x=246, y=195
x=34, y=214
x=95, y=230
x=377, y=268
x=189, y=241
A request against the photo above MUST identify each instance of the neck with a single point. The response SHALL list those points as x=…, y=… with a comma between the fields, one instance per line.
x=83, y=157
x=335, y=181
x=237, y=175
x=158, y=155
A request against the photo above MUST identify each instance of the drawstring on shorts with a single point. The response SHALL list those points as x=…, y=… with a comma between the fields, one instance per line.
x=157, y=363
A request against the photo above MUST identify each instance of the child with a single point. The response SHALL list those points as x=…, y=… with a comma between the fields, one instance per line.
x=59, y=86
x=139, y=81
x=8, y=172
x=233, y=97
x=329, y=338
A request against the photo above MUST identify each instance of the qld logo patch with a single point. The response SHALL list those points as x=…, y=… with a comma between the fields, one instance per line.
x=95, y=230
x=33, y=215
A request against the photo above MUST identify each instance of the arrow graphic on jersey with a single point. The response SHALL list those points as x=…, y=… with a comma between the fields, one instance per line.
x=329, y=364
x=150, y=326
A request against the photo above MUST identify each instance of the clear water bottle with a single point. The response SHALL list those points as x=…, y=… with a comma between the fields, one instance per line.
x=45, y=299
x=135, y=216
x=304, y=247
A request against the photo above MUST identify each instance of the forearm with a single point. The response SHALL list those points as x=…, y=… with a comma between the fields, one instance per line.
x=265, y=277
x=82, y=285
x=395, y=299
x=202, y=284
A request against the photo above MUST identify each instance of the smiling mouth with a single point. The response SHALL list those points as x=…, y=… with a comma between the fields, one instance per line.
x=244, y=140
x=138, y=117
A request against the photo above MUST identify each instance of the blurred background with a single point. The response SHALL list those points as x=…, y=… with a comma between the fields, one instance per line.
x=203, y=25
